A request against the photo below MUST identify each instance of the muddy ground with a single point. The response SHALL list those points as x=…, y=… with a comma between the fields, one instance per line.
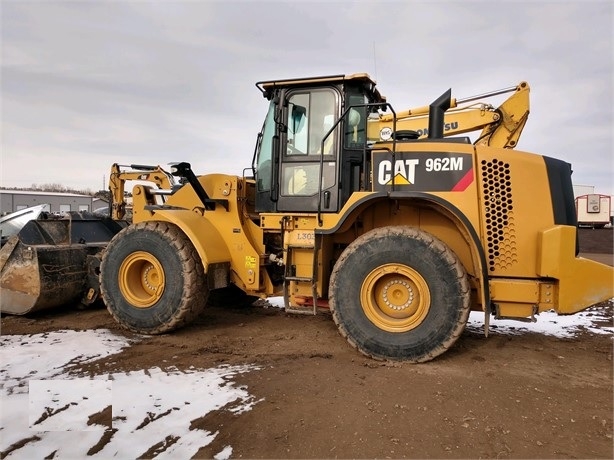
x=505, y=396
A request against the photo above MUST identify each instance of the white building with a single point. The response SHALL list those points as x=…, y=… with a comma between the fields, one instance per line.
x=14, y=200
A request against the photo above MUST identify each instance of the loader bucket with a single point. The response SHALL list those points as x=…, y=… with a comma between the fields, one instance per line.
x=53, y=262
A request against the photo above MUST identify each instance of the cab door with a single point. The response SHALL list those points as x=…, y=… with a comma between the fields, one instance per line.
x=308, y=169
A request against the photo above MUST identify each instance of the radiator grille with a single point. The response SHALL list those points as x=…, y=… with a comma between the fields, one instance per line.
x=499, y=215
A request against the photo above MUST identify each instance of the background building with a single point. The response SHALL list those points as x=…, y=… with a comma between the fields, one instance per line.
x=593, y=209
x=14, y=200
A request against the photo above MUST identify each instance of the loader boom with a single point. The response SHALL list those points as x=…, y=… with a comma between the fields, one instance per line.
x=500, y=127
x=118, y=177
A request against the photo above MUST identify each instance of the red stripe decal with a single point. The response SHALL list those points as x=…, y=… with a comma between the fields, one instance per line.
x=462, y=184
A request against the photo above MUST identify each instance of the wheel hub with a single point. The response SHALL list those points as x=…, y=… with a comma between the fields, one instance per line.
x=141, y=279
x=396, y=291
x=395, y=297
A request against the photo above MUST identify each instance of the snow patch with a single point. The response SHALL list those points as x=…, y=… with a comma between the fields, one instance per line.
x=594, y=320
x=54, y=413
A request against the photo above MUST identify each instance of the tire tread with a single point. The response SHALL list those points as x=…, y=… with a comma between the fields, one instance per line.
x=194, y=295
x=436, y=246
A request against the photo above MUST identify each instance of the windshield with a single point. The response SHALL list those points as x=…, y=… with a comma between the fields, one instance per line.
x=263, y=162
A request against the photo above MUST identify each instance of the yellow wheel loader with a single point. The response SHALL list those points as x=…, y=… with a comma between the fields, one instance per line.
x=348, y=207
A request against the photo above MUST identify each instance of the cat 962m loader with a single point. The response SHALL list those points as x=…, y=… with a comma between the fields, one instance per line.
x=352, y=209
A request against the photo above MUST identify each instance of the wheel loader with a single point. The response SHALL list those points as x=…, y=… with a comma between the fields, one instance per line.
x=397, y=229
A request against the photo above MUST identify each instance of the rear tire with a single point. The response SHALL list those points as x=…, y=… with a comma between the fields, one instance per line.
x=152, y=278
x=399, y=293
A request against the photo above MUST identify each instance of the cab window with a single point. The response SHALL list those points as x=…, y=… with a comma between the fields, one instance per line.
x=310, y=116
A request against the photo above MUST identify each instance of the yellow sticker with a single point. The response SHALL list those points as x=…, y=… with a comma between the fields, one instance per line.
x=250, y=262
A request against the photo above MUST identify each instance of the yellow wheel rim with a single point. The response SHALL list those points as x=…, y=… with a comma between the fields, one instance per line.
x=395, y=298
x=141, y=279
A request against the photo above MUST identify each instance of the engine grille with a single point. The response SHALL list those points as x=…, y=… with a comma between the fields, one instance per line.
x=499, y=215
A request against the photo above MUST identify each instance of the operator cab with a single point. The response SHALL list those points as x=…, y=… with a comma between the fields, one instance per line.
x=311, y=154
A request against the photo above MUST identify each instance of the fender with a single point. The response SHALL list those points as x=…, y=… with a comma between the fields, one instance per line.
x=477, y=250
x=199, y=230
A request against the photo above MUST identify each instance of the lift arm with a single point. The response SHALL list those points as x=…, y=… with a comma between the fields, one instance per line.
x=118, y=178
x=501, y=126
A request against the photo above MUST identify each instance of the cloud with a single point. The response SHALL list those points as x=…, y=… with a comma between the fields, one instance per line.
x=175, y=80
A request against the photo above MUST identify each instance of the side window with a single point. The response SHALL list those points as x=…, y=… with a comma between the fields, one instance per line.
x=303, y=179
x=300, y=179
x=310, y=116
x=355, y=123
x=298, y=107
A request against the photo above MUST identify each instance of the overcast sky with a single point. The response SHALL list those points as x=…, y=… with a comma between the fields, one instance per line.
x=89, y=83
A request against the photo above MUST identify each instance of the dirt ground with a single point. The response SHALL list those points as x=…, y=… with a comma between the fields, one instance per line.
x=528, y=396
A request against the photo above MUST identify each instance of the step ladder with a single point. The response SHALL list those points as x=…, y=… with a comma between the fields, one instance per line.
x=289, y=277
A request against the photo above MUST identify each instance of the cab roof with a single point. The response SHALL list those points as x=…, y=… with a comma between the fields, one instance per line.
x=267, y=87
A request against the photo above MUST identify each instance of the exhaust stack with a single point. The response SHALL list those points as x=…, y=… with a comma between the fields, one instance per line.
x=437, y=110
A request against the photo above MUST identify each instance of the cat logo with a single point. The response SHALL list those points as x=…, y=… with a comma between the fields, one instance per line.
x=422, y=171
x=403, y=172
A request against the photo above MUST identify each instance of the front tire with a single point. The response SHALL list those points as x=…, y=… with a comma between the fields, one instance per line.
x=399, y=293
x=152, y=279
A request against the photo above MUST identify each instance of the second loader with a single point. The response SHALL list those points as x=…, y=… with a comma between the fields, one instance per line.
x=47, y=261
x=54, y=261
x=349, y=208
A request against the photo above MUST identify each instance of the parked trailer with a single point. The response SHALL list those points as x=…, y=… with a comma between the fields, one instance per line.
x=593, y=210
